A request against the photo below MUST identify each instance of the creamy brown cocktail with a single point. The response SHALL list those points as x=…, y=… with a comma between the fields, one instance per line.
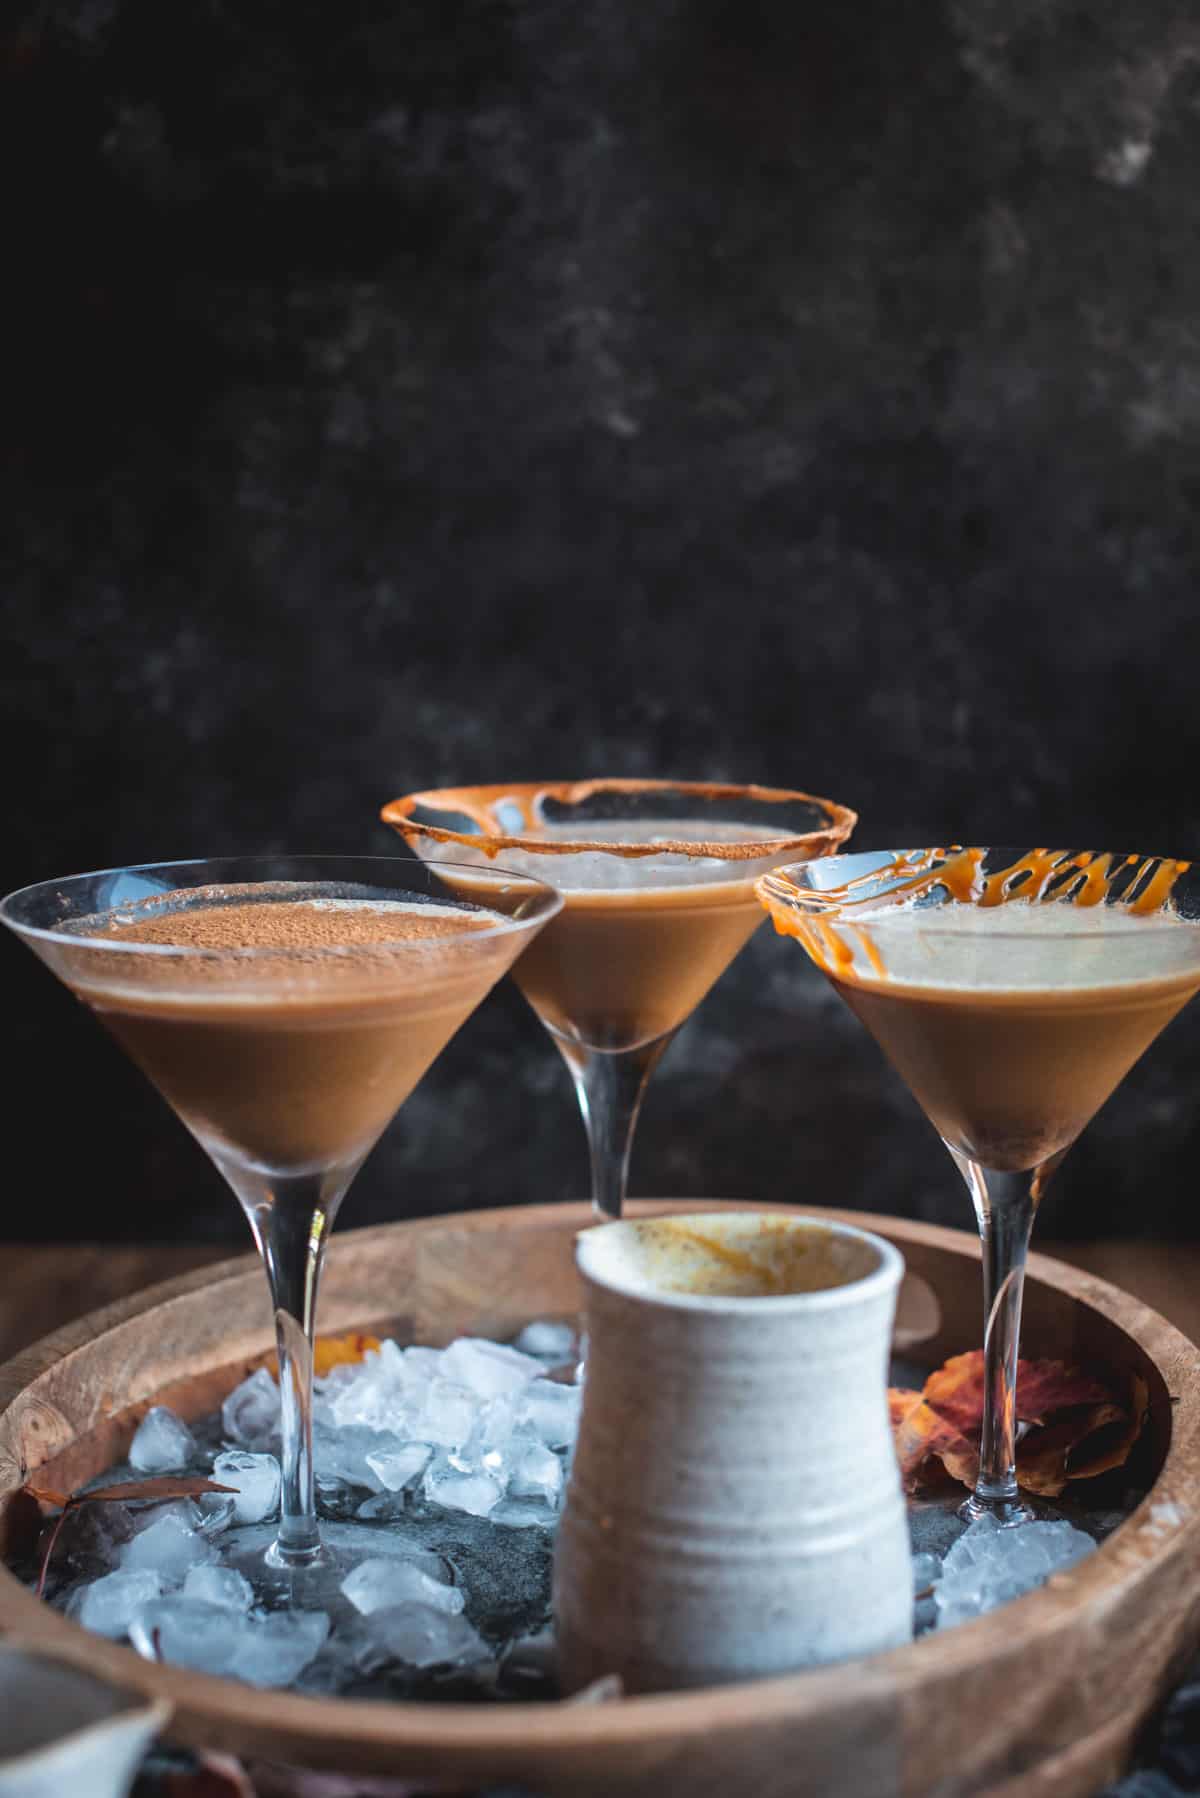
x=285, y=1006
x=1012, y=1033
x=657, y=880
x=1013, y=990
x=299, y=1064
x=638, y=942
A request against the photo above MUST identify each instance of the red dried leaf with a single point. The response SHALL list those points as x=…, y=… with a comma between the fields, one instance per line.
x=1078, y=1425
x=1043, y=1387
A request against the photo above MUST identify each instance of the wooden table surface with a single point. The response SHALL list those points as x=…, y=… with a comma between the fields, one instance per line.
x=43, y=1285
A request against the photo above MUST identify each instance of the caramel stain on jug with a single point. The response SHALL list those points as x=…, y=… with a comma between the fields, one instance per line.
x=776, y=1260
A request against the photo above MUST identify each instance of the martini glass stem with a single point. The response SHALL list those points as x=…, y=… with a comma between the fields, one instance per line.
x=291, y=1220
x=611, y=1085
x=1004, y=1206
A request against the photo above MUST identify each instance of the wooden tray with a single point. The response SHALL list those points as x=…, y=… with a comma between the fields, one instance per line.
x=1043, y=1697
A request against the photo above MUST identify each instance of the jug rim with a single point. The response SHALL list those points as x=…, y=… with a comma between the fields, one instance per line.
x=594, y=1248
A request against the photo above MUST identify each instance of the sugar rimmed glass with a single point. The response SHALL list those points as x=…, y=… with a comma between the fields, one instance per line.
x=285, y=1062
x=1012, y=989
x=658, y=882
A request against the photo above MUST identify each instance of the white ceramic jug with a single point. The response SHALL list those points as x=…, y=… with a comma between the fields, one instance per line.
x=734, y=1507
x=63, y=1732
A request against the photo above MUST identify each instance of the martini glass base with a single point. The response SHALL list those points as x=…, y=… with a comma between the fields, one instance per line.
x=1008, y=1512
x=314, y=1584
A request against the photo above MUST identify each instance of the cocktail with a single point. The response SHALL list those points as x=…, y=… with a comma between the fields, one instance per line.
x=658, y=883
x=1013, y=990
x=285, y=1006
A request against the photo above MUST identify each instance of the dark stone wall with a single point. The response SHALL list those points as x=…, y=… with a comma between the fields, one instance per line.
x=402, y=391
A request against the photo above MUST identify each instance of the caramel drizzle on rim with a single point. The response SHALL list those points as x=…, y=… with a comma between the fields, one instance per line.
x=479, y=803
x=1083, y=878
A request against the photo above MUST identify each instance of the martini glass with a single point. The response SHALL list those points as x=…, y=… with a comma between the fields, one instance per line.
x=285, y=1006
x=658, y=883
x=1013, y=990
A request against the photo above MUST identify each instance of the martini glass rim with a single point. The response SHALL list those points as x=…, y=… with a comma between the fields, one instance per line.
x=62, y=934
x=784, y=885
x=476, y=802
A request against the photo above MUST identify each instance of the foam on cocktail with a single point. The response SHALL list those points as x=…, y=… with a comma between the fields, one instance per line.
x=1018, y=947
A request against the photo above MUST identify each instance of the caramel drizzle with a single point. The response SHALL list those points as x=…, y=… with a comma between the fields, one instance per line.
x=1084, y=878
x=480, y=805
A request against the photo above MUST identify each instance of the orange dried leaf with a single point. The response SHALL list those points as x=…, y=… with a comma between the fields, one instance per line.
x=169, y=1486
x=902, y=1400
x=45, y=1495
x=334, y=1351
x=926, y=1447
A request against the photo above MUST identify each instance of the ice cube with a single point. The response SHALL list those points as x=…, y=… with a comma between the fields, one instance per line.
x=488, y=1368
x=449, y=1414
x=344, y=1456
x=108, y=1605
x=523, y=1514
x=551, y=1411
x=256, y=1480
x=277, y=1648
x=168, y=1547
x=162, y=1443
x=385, y=1506
x=459, y=1488
x=421, y=1637
x=375, y=1393
x=212, y=1512
x=926, y=1569
x=537, y=1473
x=423, y=1364
x=250, y=1415
x=384, y=1583
x=398, y=1467
x=211, y=1638
x=219, y=1585
x=547, y=1341
x=991, y=1564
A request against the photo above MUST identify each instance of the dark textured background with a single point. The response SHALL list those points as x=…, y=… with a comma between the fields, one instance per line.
x=402, y=391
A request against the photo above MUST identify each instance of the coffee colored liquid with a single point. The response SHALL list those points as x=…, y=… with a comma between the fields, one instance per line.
x=292, y=1061
x=640, y=939
x=617, y=969
x=1011, y=1067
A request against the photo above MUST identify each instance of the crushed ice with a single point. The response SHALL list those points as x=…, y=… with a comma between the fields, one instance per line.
x=479, y=1431
x=455, y=1454
x=992, y=1563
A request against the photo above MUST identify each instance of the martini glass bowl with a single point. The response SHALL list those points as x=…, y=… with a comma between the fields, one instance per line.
x=658, y=883
x=285, y=1007
x=1012, y=989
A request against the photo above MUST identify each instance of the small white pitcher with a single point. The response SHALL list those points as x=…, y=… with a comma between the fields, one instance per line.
x=734, y=1508
x=63, y=1731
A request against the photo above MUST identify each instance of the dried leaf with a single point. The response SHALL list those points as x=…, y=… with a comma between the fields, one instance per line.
x=927, y=1447
x=1043, y=1387
x=1077, y=1424
x=155, y=1491
x=902, y=1401
x=333, y=1351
